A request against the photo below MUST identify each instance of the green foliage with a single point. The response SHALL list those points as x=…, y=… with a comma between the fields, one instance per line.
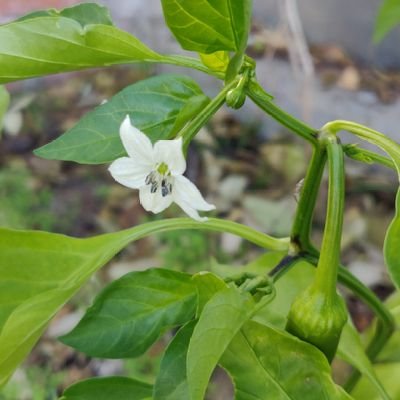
x=153, y=105
x=131, y=313
x=392, y=245
x=266, y=363
x=109, y=388
x=387, y=18
x=31, y=47
x=209, y=26
x=171, y=382
x=222, y=317
x=235, y=323
x=351, y=350
x=387, y=368
x=85, y=14
x=4, y=103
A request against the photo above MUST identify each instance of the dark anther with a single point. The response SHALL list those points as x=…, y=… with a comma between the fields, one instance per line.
x=154, y=187
x=149, y=178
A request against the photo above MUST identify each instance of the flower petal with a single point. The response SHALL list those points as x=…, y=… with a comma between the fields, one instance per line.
x=191, y=212
x=153, y=202
x=170, y=152
x=185, y=191
x=136, y=143
x=128, y=172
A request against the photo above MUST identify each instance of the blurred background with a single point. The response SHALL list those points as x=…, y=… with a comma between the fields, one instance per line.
x=316, y=58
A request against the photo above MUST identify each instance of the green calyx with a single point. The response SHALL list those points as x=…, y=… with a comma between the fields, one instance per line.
x=236, y=97
x=318, y=319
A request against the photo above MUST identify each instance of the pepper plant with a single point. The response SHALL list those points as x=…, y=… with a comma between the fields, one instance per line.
x=274, y=325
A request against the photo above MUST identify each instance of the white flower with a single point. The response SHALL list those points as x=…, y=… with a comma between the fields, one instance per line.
x=157, y=172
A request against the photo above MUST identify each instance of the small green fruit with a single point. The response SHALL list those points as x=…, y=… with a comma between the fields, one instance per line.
x=318, y=319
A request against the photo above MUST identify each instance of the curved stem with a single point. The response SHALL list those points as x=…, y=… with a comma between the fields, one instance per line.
x=370, y=135
x=212, y=224
x=263, y=100
x=326, y=275
x=367, y=156
x=190, y=130
x=283, y=266
x=300, y=235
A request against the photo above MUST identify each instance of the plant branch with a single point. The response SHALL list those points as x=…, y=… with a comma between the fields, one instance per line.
x=263, y=100
x=367, y=156
x=300, y=235
x=189, y=131
x=212, y=224
x=329, y=259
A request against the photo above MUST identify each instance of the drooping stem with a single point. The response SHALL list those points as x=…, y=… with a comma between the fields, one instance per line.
x=370, y=135
x=367, y=156
x=212, y=224
x=263, y=100
x=328, y=264
x=300, y=235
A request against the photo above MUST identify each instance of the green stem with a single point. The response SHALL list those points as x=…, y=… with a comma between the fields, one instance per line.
x=370, y=135
x=190, y=130
x=326, y=275
x=212, y=224
x=283, y=266
x=367, y=156
x=300, y=235
x=263, y=100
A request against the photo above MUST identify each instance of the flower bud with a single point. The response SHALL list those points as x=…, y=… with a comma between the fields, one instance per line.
x=318, y=318
x=235, y=98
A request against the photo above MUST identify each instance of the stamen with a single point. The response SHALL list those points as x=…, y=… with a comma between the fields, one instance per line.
x=155, y=179
x=150, y=178
x=154, y=187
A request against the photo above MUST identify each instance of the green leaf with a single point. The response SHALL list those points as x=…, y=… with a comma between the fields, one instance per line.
x=266, y=363
x=351, y=350
x=221, y=319
x=53, y=44
x=388, y=17
x=392, y=245
x=85, y=14
x=387, y=367
x=131, y=313
x=389, y=374
x=295, y=281
x=207, y=26
x=109, y=388
x=4, y=103
x=207, y=285
x=391, y=351
x=152, y=104
x=41, y=271
x=217, y=61
x=171, y=382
